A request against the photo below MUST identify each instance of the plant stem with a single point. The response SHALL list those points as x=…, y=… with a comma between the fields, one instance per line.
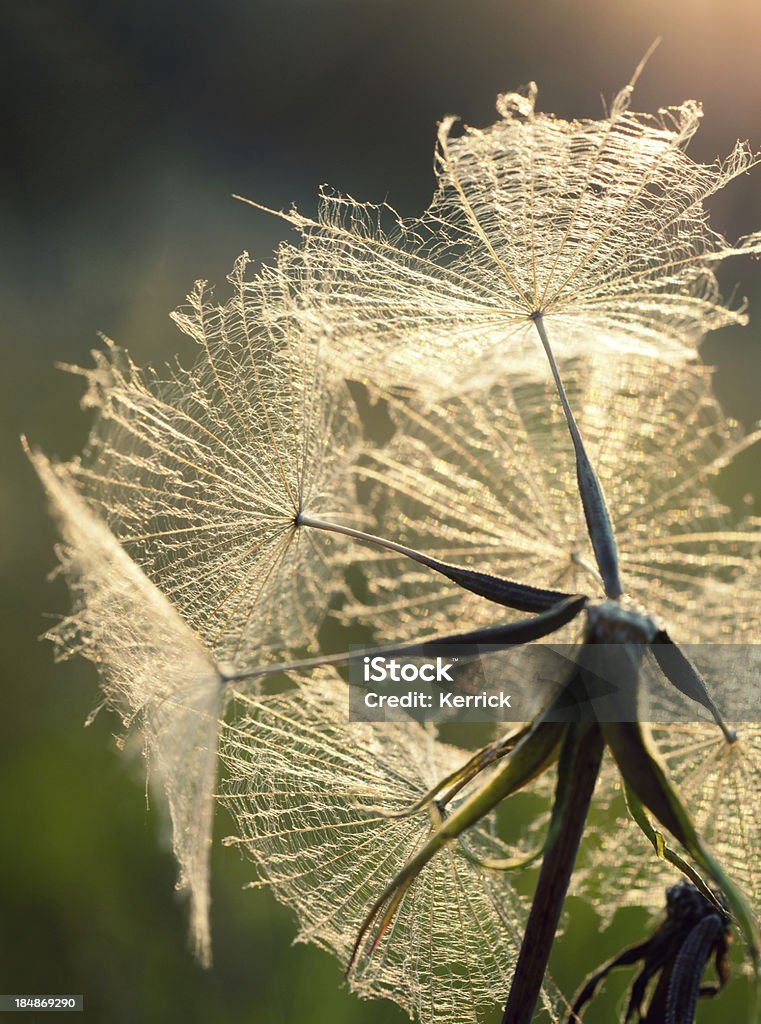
x=599, y=526
x=554, y=878
x=494, y=588
x=512, y=634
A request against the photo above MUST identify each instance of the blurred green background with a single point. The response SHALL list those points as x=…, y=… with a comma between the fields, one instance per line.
x=126, y=128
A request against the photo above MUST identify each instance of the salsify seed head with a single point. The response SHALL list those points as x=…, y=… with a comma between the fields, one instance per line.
x=311, y=793
x=203, y=473
x=599, y=226
x=154, y=672
x=487, y=480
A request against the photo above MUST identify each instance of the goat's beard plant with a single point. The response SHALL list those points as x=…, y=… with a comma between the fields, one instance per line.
x=221, y=514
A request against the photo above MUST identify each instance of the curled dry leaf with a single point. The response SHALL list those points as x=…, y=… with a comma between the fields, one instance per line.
x=155, y=673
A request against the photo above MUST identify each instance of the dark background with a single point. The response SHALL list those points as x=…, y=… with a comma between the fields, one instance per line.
x=126, y=128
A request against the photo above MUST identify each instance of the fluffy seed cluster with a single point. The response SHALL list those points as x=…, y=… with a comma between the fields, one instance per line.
x=187, y=547
x=203, y=473
x=155, y=673
x=599, y=225
x=488, y=480
x=312, y=793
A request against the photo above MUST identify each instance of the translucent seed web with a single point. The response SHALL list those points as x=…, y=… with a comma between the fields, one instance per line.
x=599, y=224
x=488, y=480
x=203, y=472
x=154, y=673
x=306, y=788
